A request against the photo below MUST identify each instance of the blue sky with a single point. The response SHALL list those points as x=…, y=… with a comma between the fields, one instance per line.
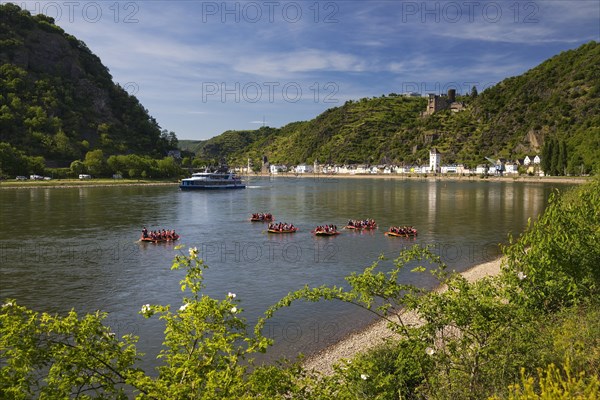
x=203, y=67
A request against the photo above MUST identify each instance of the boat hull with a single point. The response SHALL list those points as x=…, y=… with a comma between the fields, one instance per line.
x=286, y=231
x=215, y=187
x=326, y=233
x=149, y=240
x=394, y=234
x=212, y=181
x=365, y=228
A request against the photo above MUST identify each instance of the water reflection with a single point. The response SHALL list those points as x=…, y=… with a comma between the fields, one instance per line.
x=76, y=248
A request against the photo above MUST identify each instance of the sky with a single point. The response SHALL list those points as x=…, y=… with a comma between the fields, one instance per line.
x=204, y=67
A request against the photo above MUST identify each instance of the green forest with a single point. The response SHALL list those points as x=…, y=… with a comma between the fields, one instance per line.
x=557, y=101
x=58, y=102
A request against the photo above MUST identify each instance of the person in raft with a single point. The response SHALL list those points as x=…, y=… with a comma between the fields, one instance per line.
x=160, y=235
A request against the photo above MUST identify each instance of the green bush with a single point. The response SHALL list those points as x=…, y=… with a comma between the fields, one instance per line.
x=554, y=384
x=558, y=256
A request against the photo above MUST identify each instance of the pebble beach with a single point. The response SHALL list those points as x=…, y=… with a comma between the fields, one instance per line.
x=378, y=332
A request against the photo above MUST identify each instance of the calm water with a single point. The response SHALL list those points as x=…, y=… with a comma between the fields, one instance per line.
x=76, y=248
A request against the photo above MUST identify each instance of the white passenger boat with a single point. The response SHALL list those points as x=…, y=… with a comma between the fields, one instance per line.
x=212, y=180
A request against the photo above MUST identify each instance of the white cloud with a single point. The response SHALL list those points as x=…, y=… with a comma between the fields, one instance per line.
x=296, y=62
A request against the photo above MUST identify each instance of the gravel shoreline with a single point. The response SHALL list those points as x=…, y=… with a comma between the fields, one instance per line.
x=376, y=333
x=433, y=178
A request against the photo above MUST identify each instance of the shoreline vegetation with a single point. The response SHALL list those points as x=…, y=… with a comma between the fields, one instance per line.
x=73, y=183
x=378, y=332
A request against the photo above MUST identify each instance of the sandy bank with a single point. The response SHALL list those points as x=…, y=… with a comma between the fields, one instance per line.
x=377, y=333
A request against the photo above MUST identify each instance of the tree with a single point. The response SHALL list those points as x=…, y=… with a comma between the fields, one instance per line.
x=173, y=141
x=63, y=144
x=562, y=158
x=12, y=161
x=474, y=92
x=78, y=167
x=94, y=162
x=554, y=167
x=546, y=162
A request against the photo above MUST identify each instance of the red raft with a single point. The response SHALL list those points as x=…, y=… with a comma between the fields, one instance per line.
x=158, y=236
x=361, y=228
x=325, y=233
x=360, y=225
x=293, y=230
x=159, y=240
x=261, y=217
x=281, y=228
x=406, y=231
x=326, y=230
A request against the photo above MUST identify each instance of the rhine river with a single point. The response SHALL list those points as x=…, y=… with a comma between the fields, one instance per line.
x=75, y=248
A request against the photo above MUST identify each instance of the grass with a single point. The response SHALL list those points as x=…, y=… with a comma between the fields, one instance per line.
x=86, y=182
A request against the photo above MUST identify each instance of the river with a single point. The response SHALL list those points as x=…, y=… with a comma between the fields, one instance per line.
x=75, y=248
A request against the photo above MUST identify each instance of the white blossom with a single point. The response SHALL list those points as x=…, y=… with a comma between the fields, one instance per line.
x=233, y=310
x=521, y=275
x=183, y=307
x=193, y=251
x=9, y=304
x=364, y=377
x=145, y=308
x=430, y=351
x=231, y=295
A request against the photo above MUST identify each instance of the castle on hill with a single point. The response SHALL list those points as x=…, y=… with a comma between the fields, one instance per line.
x=437, y=103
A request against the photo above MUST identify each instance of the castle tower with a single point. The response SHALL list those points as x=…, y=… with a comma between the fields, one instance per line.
x=451, y=95
x=265, y=165
x=435, y=160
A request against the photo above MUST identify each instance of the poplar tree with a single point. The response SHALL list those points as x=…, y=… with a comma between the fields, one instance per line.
x=554, y=158
x=562, y=158
x=546, y=162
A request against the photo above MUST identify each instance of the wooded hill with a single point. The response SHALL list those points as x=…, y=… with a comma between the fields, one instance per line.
x=58, y=101
x=559, y=99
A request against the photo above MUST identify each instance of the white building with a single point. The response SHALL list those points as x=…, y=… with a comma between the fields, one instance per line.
x=435, y=159
x=362, y=169
x=303, y=169
x=481, y=169
x=277, y=169
x=449, y=169
x=511, y=168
